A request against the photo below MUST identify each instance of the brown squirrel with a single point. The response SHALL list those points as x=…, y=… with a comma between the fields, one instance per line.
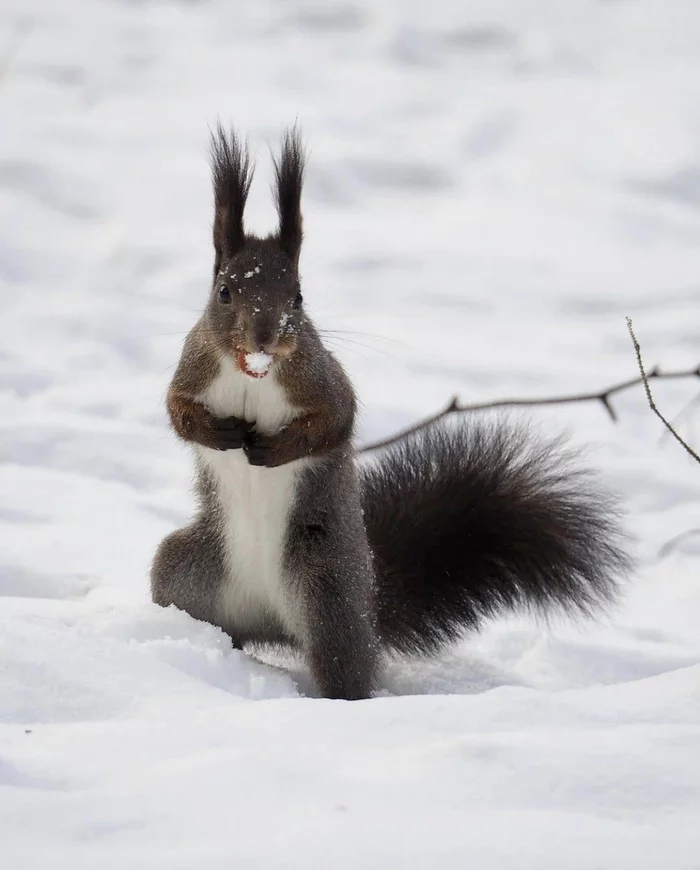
x=294, y=542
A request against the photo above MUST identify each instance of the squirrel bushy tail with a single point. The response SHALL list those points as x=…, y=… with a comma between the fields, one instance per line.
x=467, y=522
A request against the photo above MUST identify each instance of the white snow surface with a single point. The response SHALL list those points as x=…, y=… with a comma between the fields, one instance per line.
x=492, y=187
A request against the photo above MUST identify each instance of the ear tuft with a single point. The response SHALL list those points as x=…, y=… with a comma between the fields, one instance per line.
x=289, y=178
x=232, y=174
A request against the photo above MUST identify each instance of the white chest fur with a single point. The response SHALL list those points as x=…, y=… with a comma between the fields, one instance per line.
x=255, y=502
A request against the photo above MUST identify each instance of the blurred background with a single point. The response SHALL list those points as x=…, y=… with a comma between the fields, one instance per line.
x=493, y=186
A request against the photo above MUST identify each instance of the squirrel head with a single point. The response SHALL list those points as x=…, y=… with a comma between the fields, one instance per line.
x=255, y=306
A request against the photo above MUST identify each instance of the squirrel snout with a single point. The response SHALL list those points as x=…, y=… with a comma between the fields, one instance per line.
x=264, y=333
x=262, y=338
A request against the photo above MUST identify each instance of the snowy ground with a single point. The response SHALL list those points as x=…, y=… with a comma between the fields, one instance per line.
x=493, y=186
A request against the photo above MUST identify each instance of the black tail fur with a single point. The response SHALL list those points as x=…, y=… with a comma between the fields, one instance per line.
x=471, y=521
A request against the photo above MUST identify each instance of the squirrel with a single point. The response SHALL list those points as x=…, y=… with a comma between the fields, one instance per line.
x=296, y=542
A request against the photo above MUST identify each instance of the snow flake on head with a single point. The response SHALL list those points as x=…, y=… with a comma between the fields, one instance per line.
x=255, y=271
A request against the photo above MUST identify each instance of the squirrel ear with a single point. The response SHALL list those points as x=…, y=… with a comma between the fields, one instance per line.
x=232, y=174
x=289, y=177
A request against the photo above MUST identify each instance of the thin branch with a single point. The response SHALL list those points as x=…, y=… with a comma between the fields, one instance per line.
x=650, y=399
x=603, y=396
x=685, y=412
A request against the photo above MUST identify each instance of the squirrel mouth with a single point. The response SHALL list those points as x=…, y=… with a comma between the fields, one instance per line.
x=255, y=365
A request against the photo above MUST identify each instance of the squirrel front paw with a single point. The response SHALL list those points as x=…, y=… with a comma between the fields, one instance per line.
x=228, y=433
x=258, y=449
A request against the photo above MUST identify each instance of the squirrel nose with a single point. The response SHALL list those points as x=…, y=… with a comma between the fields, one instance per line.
x=264, y=337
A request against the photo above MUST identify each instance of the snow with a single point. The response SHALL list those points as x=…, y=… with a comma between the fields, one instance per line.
x=501, y=182
x=258, y=363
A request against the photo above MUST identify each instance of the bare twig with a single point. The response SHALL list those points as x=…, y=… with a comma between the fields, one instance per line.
x=603, y=396
x=684, y=413
x=650, y=399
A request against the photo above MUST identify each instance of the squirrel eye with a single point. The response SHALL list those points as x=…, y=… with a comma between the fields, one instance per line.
x=298, y=300
x=224, y=294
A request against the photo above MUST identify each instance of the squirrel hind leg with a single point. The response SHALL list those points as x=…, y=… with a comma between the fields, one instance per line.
x=329, y=562
x=188, y=571
x=341, y=647
x=337, y=632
